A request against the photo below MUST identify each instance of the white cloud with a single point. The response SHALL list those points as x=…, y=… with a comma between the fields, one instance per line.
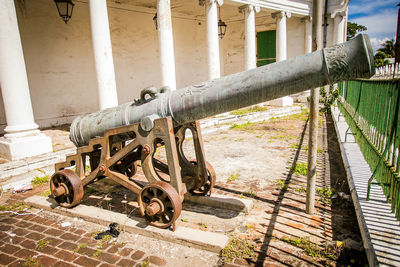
x=379, y=25
x=377, y=43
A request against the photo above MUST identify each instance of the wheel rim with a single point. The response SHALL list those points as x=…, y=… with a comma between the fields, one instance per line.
x=209, y=184
x=160, y=204
x=66, y=188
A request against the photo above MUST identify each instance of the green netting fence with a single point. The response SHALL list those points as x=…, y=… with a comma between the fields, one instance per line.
x=371, y=109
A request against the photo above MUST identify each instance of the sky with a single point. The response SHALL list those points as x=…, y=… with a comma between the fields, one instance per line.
x=379, y=16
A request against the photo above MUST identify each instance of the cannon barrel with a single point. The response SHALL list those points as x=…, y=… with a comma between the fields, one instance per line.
x=350, y=60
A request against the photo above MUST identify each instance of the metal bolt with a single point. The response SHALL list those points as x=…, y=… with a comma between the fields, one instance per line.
x=146, y=149
x=102, y=168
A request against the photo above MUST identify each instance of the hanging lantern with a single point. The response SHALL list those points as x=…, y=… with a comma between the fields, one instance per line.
x=155, y=21
x=64, y=8
x=221, y=26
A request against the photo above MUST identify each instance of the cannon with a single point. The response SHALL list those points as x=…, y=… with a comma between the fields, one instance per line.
x=112, y=143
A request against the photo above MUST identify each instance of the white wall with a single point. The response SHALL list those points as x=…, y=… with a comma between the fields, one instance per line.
x=60, y=63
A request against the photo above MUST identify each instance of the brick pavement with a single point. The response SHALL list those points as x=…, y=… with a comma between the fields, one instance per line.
x=32, y=240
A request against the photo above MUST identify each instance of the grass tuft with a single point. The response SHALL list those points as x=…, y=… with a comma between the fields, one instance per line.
x=36, y=181
x=238, y=248
x=300, y=169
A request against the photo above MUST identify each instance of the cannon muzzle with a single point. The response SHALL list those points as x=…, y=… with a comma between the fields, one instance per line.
x=350, y=60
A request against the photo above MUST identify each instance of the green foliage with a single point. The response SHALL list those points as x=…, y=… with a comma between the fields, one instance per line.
x=32, y=262
x=326, y=194
x=248, y=110
x=233, y=177
x=238, y=248
x=249, y=193
x=328, y=98
x=45, y=193
x=380, y=59
x=313, y=250
x=241, y=126
x=20, y=206
x=41, y=244
x=145, y=264
x=80, y=246
x=97, y=253
x=386, y=51
x=36, y=181
x=105, y=239
x=300, y=169
x=282, y=185
x=387, y=48
x=354, y=28
x=301, y=189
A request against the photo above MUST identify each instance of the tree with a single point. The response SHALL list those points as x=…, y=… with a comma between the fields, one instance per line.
x=380, y=59
x=387, y=48
x=354, y=28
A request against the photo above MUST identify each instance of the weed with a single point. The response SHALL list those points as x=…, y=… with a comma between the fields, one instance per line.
x=41, y=244
x=326, y=194
x=248, y=110
x=301, y=189
x=241, y=126
x=238, y=139
x=80, y=246
x=310, y=248
x=91, y=190
x=203, y=226
x=145, y=263
x=36, y=181
x=32, y=262
x=298, y=116
x=45, y=193
x=97, y=253
x=238, y=248
x=300, y=169
x=104, y=240
x=249, y=193
x=320, y=150
x=282, y=185
x=296, y=146
x=233, y=177
x=314, y=250
x=20, y=206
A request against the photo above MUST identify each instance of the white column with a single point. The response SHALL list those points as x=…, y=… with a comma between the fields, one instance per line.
x=281, y=51
x=281, y=40
x=166, y=44
x=307, y=35
x=338, y=28
x=212, y=37
x=250, y=35
x=107, y=88
x=22, y=138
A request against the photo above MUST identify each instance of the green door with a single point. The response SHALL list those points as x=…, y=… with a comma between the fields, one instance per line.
x=266, y=47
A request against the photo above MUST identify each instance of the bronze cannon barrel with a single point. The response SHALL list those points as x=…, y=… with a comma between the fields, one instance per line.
x=350, y=60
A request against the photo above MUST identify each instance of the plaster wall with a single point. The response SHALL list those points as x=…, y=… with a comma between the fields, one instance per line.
x=60, y=63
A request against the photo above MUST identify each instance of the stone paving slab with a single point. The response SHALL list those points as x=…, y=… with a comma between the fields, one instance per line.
x=209, y=241
x=40, y=240
x=379, y=228
x=222, y=202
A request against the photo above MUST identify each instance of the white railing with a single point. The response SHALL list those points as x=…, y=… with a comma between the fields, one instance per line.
x=389, y=71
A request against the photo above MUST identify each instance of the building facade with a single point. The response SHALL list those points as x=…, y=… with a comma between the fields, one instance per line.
x=51, y=72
